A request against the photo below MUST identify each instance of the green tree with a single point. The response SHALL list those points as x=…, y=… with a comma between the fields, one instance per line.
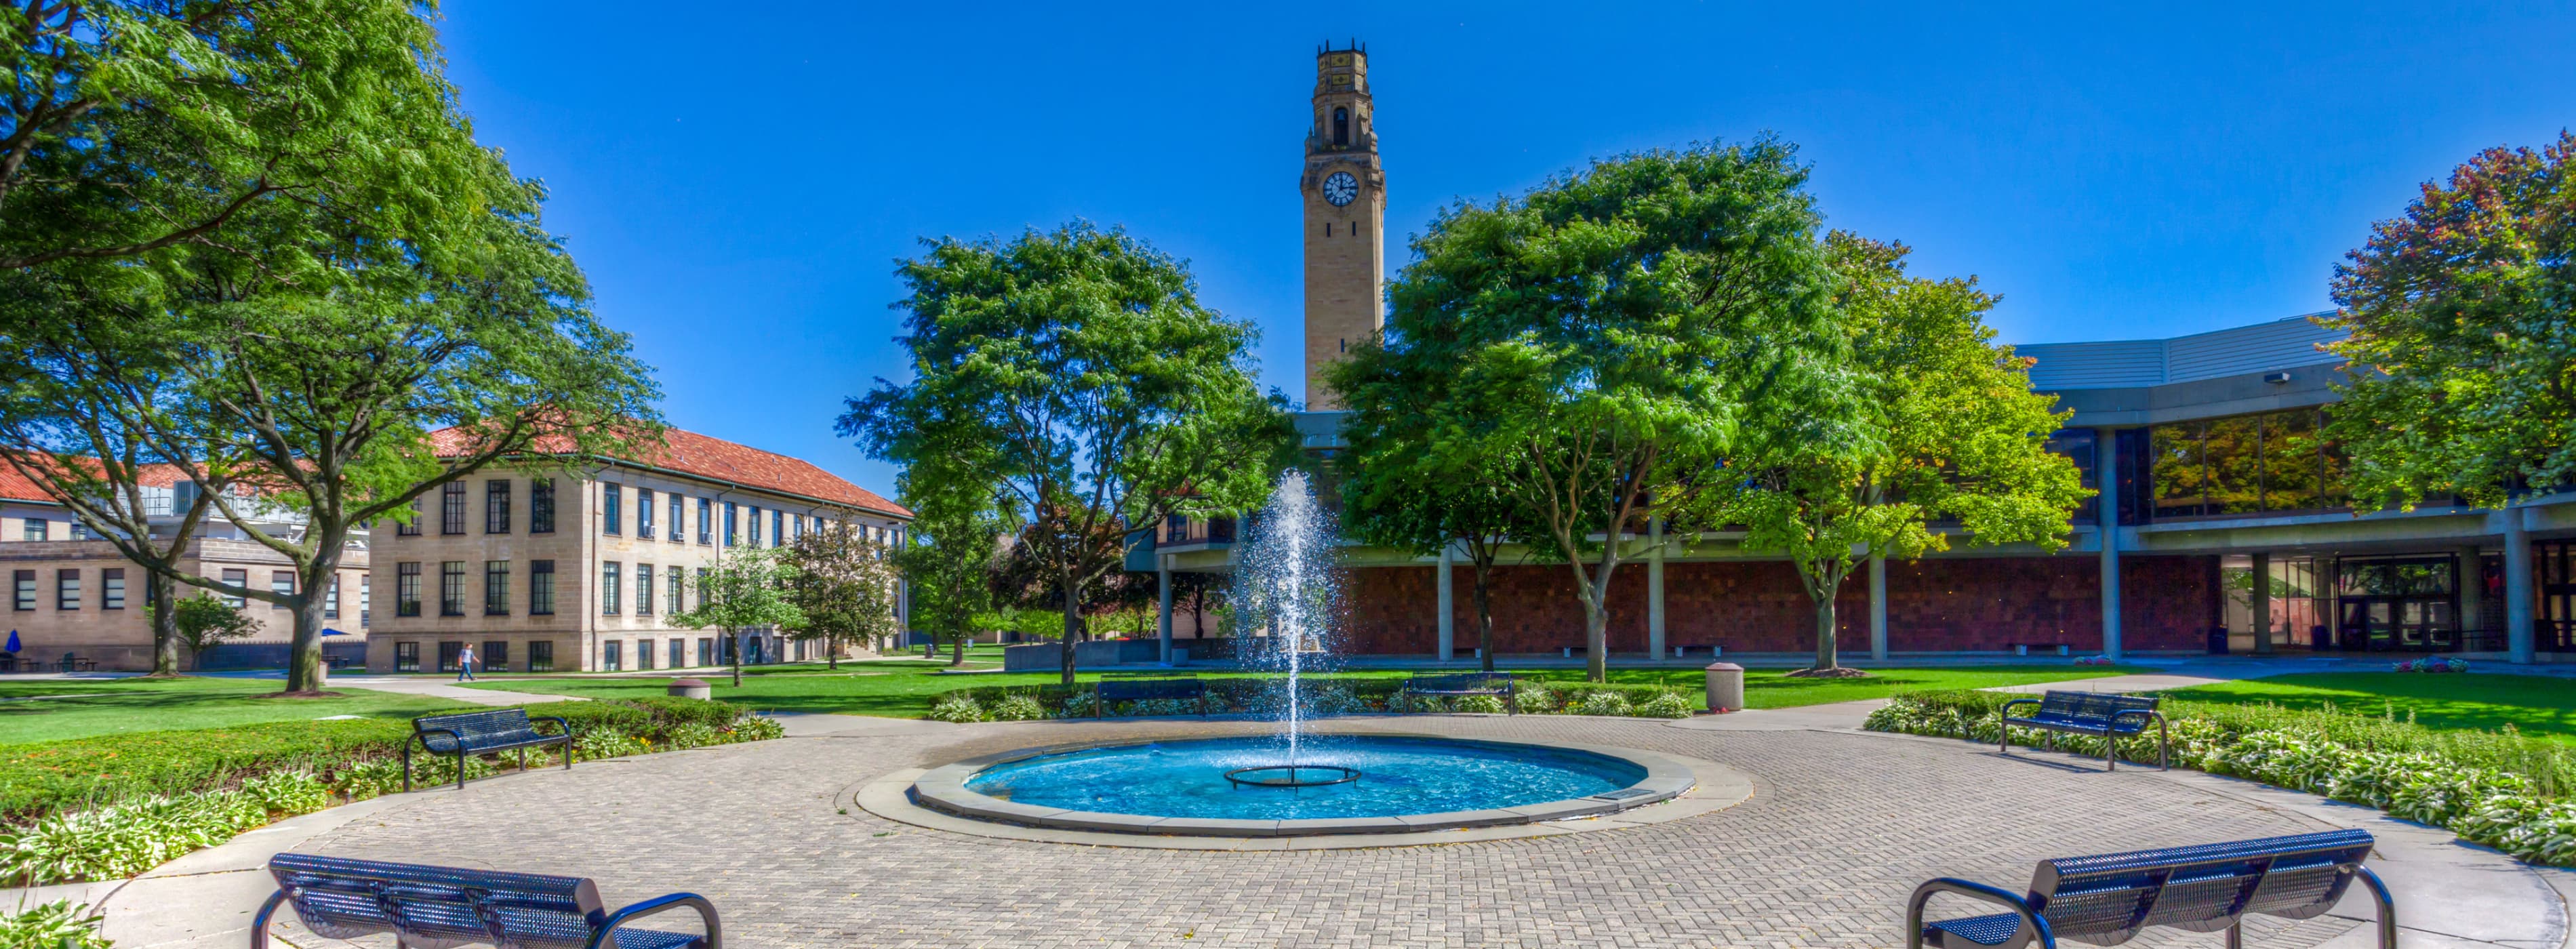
x=845, y=586
x=202, y=623
x=2462, y=315
x=1614, y=332
x=1946, y=428
x=1396, y=494
x=1091, y=388
x=748, y=589
x=950, y=563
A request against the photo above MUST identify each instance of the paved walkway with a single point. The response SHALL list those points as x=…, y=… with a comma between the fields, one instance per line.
x=446, y=689
x=1840, y=828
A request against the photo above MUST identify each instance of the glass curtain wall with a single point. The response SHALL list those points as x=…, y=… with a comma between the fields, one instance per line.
x=2298, y=602
x=2276, y=462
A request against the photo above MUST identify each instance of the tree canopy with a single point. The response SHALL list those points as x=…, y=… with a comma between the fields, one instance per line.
x=2462, y=315
x=845, y=586
x=748, y=589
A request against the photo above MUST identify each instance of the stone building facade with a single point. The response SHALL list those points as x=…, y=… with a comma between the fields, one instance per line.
x=1344, y=190
x=552, y=564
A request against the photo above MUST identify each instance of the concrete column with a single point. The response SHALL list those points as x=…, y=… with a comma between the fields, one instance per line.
x=2518, y=598
x=1878, y=607
x=2262, y=602
x=2473, y=593
x=1655, y=587
x=2106, y=524
x=1448, y=602
x=1163, y=610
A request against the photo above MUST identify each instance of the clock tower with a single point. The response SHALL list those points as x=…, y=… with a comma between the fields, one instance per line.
x=1345, y=194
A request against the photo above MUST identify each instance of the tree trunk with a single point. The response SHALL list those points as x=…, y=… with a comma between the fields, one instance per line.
x=832, y=652
x=304, y=665
x=1072, y=626
x=1484, y=613
x=957, y=647
x=165, y=623
x=735, y=639
x=1825, y=655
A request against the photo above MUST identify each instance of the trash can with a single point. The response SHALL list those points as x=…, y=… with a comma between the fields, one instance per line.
x=690, y=689
x=1725, y=687
x=2218, y=641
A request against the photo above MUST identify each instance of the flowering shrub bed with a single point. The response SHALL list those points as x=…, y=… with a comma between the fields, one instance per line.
x=1262, y=696
x=2498, y=789
x=115, y=806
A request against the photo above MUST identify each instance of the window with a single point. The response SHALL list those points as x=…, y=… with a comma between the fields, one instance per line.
x=541, y=588
x=407, y=588
x=777, y=528
x=679, y=654
x=331, y=598
x=282, y=583
x=755, y=526
x=495, y=655
x=450, y=654
x=496, y=588
x=730, y=537
x=2247, y=464
x=451, y=508
x=541, y=656
x=410, y=528
x=541, y=506
x=111, y=588
x=644, y=654
x=608, y=655
x=451, y=588
x=406, y=657
x=496, y=506
x=1341, y=127
x=34, y=529
x=366, y=599
x=679, y=512
x=236, y=578
x=67, y=589
x=612, y=508
x=24, y=594
x=707, y=651
x=80, y=531
x=643, y=590
x=706, y=521
x=610, y=573
x=674, y=583
x=644, y=514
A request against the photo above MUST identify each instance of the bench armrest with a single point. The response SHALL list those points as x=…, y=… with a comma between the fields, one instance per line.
x=706, y=914
x=422, y=736
x=2005, y=710
x=557, y=719
x=1977, y=891
x=2148, y=712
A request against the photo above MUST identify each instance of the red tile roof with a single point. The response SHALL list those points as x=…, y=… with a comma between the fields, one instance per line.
x=15, y=486
x=690, y=453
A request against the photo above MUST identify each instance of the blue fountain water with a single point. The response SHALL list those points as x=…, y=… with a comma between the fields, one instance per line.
x=1399, y=775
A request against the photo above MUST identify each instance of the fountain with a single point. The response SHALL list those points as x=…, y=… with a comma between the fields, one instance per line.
x=1295, y=781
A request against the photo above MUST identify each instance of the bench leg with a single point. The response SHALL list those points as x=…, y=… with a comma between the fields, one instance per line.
x=523, y=759
x=2236, y=935
x=460, y=766
x=2387, y=908
x=2110, y=751
x=406, y=762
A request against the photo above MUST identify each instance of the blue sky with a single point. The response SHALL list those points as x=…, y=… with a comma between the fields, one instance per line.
x=738, y=181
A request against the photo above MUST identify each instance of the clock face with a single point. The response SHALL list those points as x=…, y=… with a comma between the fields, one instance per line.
x=1341, y=188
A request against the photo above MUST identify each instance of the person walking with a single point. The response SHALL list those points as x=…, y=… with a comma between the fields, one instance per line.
x=465, y=664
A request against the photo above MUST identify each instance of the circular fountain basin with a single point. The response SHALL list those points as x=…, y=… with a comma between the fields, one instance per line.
x=1403, y=784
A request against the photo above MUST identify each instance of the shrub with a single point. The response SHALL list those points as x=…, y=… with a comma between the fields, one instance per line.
x=61, y=924
x=287, y=793
x=1602, y=703
x=1665, y=704
x=755, y=728
x=1480, y=704
x=693, y=735
x=604, y=743
x=1530, y=698
x=958, y=708
x=1018, y=707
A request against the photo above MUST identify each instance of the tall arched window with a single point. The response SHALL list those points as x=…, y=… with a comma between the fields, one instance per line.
x=1341, y=127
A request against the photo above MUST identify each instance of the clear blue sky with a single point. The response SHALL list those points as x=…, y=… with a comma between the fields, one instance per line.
x=738, y=180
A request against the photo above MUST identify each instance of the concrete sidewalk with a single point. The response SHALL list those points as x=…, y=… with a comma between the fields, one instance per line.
x=409, y=685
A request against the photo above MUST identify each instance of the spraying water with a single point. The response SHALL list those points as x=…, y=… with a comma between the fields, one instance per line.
x=1285, y=596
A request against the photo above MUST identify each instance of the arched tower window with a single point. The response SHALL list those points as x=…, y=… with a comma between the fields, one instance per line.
x=1341, y=127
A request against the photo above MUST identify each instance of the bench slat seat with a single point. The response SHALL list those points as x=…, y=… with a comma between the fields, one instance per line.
x=1140, y=690
x=2100, y=714
x=2109, y=899
x=483, y=733
x=426, y=907
x=1499, y=684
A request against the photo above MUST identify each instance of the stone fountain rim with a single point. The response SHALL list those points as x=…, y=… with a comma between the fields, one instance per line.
x=943, y=790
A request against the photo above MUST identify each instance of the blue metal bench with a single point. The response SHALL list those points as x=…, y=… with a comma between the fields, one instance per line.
x=2107, y=900
x=1106, y=691
x=2105, y=715
x=483, y=733
x=1466, y=683
x=340, y=898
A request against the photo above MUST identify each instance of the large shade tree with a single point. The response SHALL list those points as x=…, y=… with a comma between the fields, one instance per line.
x=2462, y=315
x=1099, y=392
x=1943, y=428
x=1615, y=333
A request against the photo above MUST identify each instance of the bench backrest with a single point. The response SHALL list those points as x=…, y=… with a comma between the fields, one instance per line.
x=2095, y=706
x=438, y=907
x=1133, y=690
x=476, y=729
x=2107, y=899
x=1460, y=682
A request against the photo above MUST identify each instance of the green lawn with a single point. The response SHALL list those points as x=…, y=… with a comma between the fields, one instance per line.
x=903, y=690
x=2536, y=705
x=49, y=709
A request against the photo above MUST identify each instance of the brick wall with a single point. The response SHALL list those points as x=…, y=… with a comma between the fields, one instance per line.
x=1933, y=605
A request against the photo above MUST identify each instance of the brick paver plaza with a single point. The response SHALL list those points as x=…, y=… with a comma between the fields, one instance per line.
x=1839, y=830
